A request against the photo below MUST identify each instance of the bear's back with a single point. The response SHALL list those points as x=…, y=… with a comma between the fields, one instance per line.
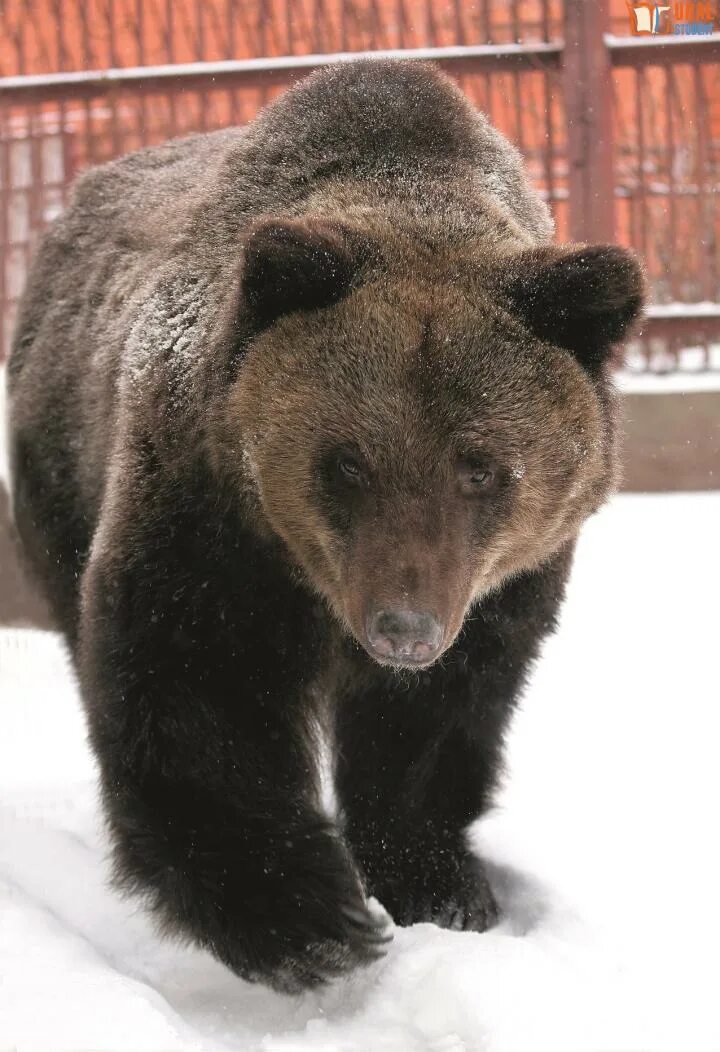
x=395, y=124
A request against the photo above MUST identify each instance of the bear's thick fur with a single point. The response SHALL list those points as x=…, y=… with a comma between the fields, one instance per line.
x=305, y=419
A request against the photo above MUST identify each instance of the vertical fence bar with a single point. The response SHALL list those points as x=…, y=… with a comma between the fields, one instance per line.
x=342, y=24
x=230, y=53
x=460, y=37
x=261, y=29
x=671, y=212
x=548, y=150
x=19, y=41
x=641, y=158
x=487, y=39
x=200, y=54
x=588, y=107
x=400, y=16
x=141, y=109
x=703, y=131
x=116, y=132
x=169, y=45
x=5, y=205
x=517, y=81
x=706, y=286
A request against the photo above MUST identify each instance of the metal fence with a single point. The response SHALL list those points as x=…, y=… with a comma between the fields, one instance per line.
x=621, y=133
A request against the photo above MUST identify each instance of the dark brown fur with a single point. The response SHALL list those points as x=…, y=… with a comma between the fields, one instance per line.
x=214, y=337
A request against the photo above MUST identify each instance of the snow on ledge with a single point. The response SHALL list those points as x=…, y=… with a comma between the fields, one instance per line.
x=676, y=382
x=682, y=309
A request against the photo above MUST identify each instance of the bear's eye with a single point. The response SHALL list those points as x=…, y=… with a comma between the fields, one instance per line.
x=477, y=475
x=349, y=468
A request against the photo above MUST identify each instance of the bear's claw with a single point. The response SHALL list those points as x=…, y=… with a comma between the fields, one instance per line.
x=361, y=943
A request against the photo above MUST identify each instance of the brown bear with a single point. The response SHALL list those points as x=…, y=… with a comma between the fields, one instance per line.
x=306, y=417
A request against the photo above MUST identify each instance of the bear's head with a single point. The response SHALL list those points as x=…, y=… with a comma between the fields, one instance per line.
x=417, y=430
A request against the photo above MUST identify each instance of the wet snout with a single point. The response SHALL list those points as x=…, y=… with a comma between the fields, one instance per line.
x=404, y=637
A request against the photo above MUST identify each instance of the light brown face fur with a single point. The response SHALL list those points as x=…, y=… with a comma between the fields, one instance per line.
x=426, y=389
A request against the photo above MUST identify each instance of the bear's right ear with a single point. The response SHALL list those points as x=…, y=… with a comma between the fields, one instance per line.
x=585, y=298
x=293, y=265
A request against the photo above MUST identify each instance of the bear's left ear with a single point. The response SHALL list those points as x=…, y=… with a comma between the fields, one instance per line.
x=582, y=298
x=292, y=264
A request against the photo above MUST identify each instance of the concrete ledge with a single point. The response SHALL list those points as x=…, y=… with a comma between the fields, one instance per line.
x=671, y=441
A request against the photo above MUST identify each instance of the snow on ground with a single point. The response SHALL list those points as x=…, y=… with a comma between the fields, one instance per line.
x=604, y=847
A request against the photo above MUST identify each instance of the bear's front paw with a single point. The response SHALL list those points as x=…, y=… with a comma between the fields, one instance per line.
x=303, y=960
x=461, y=900
x=308, y=919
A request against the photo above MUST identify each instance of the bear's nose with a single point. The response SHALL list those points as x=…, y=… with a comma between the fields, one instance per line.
x=408, y=637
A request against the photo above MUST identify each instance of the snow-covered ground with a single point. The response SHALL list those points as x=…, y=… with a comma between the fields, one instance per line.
x=605, y=852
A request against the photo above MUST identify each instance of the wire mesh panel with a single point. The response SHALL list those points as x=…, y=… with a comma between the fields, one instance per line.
x=56, y=120
x=668, y=176
x=42, y=36
x=667, y=189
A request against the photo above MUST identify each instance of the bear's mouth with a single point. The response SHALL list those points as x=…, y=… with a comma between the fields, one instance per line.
x=408, y=664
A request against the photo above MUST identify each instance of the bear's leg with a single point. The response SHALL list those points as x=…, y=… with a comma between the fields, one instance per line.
x=412, y=773
x=419, y=755
x=191, y=671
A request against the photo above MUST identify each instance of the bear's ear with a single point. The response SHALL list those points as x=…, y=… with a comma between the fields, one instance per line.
x=583, y=298
x=291, y=265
